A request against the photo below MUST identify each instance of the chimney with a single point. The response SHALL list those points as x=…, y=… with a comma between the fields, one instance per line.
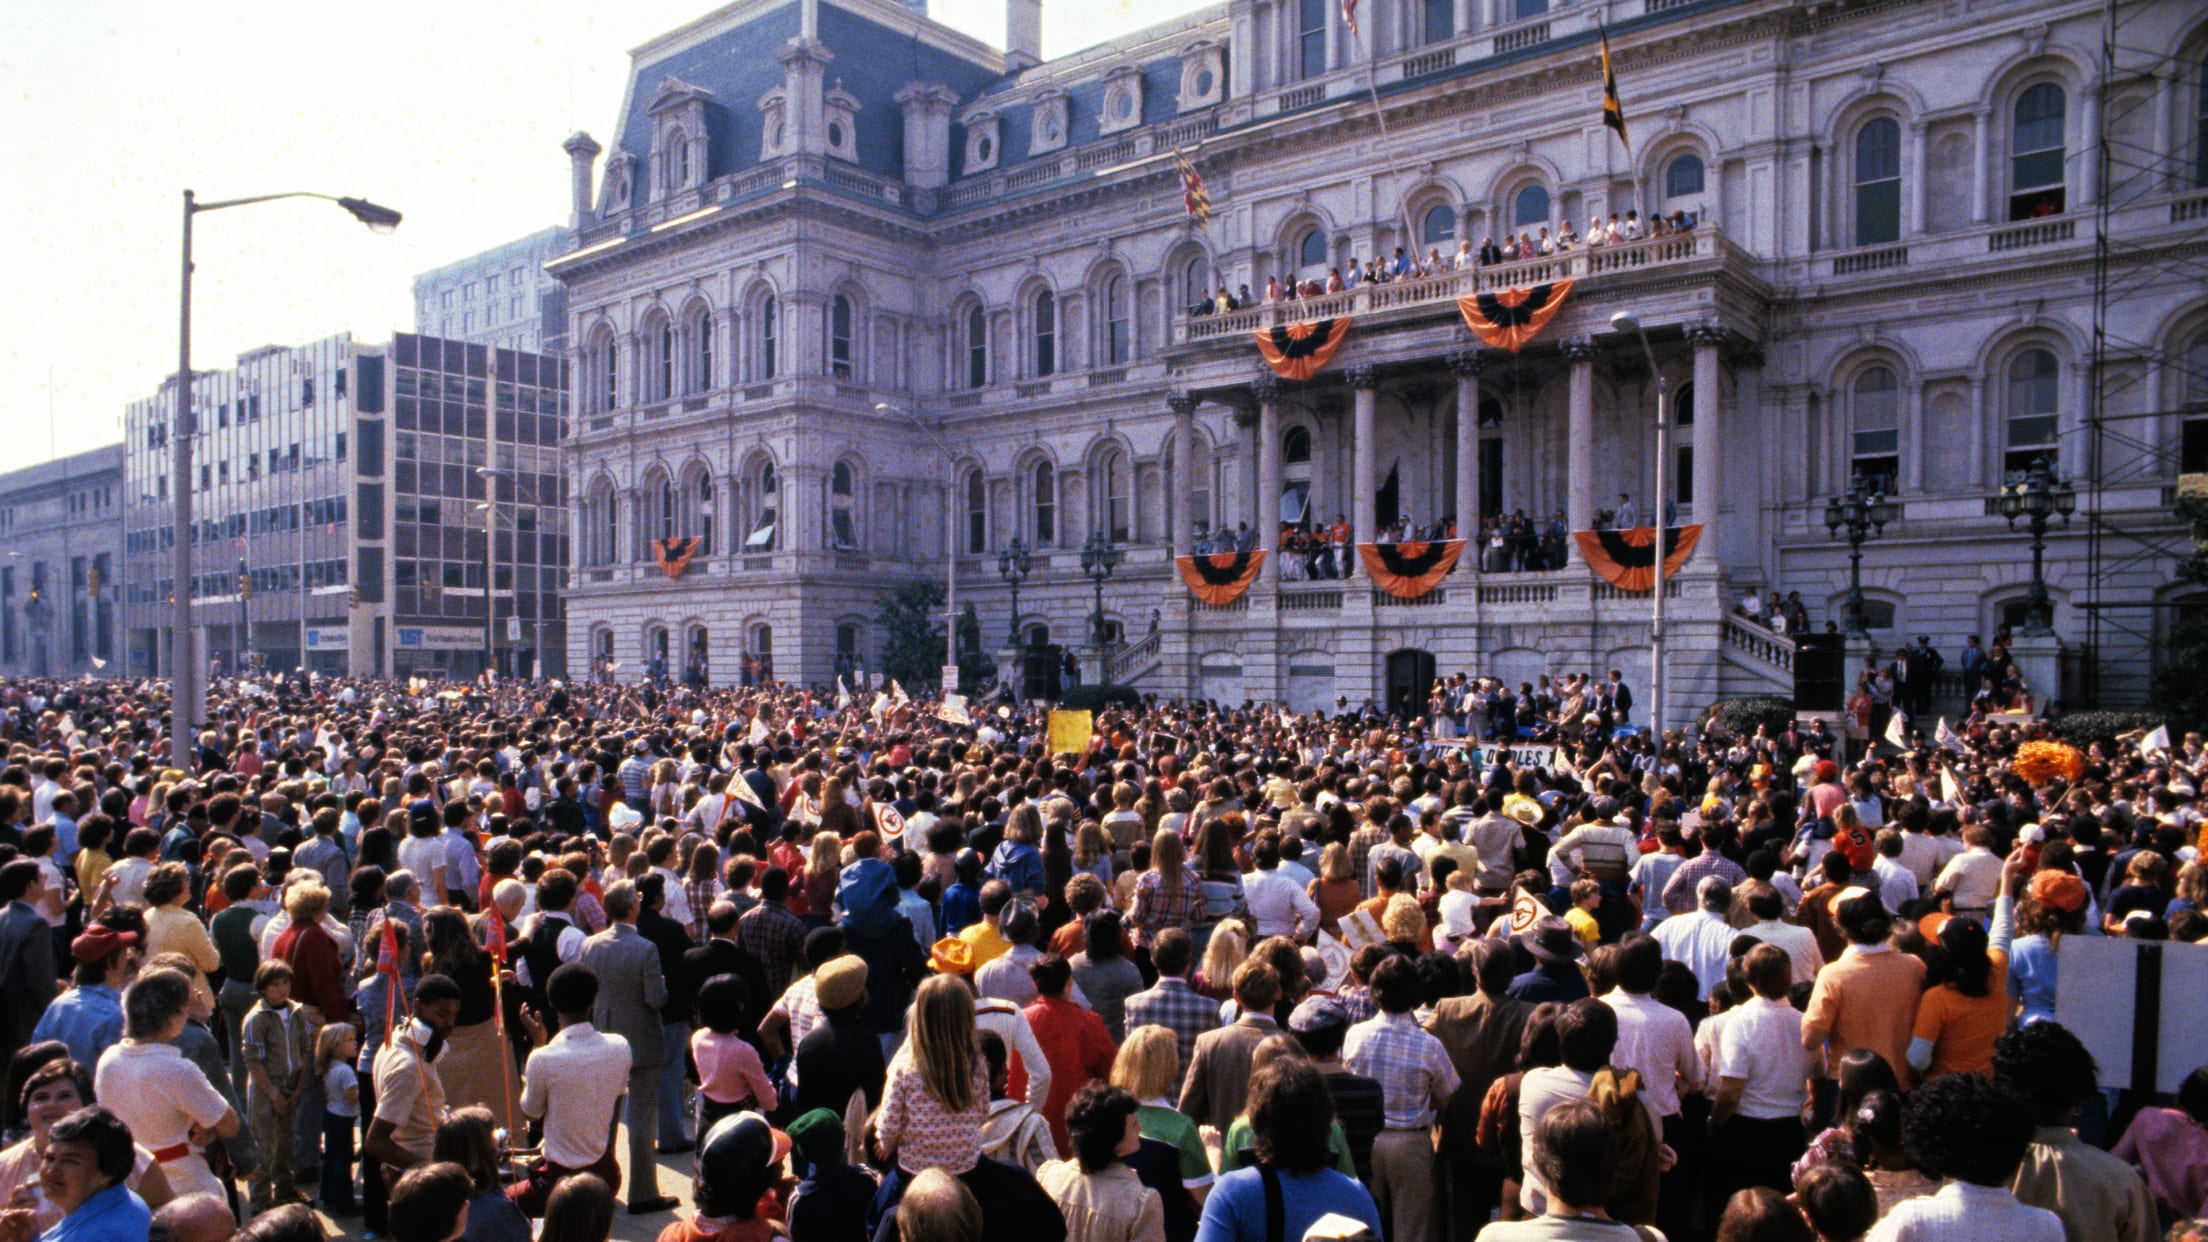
x=1023, y=34
x=582, y=152
x=927, y=108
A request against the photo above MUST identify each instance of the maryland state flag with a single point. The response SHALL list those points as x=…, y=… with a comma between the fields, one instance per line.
x=1299, y=351
x=1409, y=570
x=1613, y=113
x=1626, y=559
x=674, y=555
x=1510, y=318
x=1194, y=196
x=1220, y=577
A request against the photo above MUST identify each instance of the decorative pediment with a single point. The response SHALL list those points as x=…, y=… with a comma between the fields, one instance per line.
x=620, y=182
x=984, y=139
x=675, y=93
x=774, y=132
x=1051, y=121
x=841, y=122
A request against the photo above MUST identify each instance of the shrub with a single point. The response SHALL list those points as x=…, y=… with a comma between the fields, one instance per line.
x=1091, y=697
x=2082, y=729
x=1730, y=718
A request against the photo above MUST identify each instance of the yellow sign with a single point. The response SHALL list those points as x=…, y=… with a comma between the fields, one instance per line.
x=1070, y=732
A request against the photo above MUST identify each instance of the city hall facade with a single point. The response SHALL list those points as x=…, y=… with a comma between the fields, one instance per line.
x=851, y=292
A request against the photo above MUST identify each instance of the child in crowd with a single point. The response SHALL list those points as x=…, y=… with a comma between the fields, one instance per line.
x=279, y=1055
x=334, y=1050
x=1013, y=1132
x=730, y=1076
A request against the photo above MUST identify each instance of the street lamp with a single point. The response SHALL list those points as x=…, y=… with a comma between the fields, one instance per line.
x=187, y=701
x=2038, y=499
x=950, y=537
x=1863, y=512
x=489, y=509
x=1013, y=564
x=1628, y=322
x=1099, y=557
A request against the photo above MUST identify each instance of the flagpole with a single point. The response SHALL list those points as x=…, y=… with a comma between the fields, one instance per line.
x=1379, y=116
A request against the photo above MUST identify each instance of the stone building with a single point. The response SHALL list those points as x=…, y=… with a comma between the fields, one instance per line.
x=852, y=291
x=61, y=539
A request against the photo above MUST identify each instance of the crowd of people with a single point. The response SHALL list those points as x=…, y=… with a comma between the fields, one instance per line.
x=478, y=961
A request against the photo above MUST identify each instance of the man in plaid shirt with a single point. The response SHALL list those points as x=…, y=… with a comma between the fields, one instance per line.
x=1717, y=836
x=1172, y=1003
x=1373, y=831
x=1416, y=1080
x=769, y=932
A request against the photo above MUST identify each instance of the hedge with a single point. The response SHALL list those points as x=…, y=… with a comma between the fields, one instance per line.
x=2083, y=728
x=1731, y=718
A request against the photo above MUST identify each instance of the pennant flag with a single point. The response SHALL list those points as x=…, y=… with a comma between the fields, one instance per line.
x=1299, y=351
x=1071, y=732
x=758, y=732
x=1409, y=570
x=674, y=555
x=881, y=705
x=1194, y=197
x=1897, y=731
x=97, y=662
x=1349, y=16
x=1525, y=911
x=1613, y=114
x=954, y=710
x=1626, y=559
x=843, y=693
x=897, y=695
x=1950, y=792
x=1946, y=738
x=1221, y=577
x=2159, y=740
x=745, y=793
x=1509, y=318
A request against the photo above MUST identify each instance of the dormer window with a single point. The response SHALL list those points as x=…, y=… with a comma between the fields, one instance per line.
x=1048, y=125
x=774, y=131
x=1122, y=100
x=620, y=182
x=677, y=112
x=1203, y=76
x=984, y=140
x=842, y=109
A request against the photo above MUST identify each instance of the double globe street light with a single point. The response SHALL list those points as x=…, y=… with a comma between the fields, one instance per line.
x=1863, y=511
x=2038, y=499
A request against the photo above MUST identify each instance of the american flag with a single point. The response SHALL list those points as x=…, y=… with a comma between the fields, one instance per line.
x=1194, y=196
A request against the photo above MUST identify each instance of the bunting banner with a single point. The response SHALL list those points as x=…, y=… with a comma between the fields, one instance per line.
x=1510, y=318
x=1299, y=351
x=1626, y=559
x=1409, y=570
x=674, y=555
x=1220, y=577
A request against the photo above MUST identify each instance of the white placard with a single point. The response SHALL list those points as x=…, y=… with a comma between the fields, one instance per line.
x=2096, y=990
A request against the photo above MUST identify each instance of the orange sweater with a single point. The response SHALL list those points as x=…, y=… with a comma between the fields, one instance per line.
x=1866, y=999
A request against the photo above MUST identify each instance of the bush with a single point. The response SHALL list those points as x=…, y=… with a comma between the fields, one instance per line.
x=1730, y=718
x=2082, y=729
x=1092, y=697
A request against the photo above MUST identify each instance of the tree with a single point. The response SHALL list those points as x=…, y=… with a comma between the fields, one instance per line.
x=2181, y=687
x=912, y=642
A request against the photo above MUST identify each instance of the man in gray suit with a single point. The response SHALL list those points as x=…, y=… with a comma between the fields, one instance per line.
x=631, y=991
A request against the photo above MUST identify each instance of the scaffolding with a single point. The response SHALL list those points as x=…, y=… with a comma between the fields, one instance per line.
x=2140, y=160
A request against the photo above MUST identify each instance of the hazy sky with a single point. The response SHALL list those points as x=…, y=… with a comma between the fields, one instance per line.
x=452, y=112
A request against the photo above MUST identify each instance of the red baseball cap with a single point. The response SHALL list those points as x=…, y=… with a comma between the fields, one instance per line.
x=100, y=942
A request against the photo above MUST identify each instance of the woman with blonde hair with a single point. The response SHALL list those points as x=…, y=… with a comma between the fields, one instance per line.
x=666, y=791
x=1335, y=892
x=1223, y=955
x=170, y=927
x=935, y=1099
x=1092, y=853
x=1169, y=894
x=1124, y=824
x=1148, y=1067
x=823, y=867
x=317, y=964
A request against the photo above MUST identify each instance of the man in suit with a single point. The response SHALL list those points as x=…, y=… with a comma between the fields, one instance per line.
x=631, y=991
x=26, y=956
x=1218, y=1081
x=1621, y=698
x=721, y=955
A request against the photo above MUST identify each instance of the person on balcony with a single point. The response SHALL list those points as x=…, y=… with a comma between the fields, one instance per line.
x=1490, y=253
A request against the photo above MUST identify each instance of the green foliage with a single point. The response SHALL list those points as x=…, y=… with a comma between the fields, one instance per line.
x=1731, y=718
x=2180, y=692
x=2080, y=729
x=1092, y=697
x=912, y=642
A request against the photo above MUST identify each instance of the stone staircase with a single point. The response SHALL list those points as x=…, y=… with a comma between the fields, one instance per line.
x=1754, y=660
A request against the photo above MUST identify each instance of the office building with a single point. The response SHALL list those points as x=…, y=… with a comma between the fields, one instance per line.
x=61, y=528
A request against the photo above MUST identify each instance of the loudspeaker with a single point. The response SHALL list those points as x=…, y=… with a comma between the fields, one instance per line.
x=1820, y=673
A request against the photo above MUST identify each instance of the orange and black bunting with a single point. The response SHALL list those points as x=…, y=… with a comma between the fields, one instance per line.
x=1409, y=570
x=1509, y=318
x=1299, y=351
x=1626, y=559
x=1220, y=577
x=674, y=555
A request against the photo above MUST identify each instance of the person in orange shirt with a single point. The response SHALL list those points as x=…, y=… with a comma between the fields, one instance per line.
x=1868, y=997
x=1959, y=1020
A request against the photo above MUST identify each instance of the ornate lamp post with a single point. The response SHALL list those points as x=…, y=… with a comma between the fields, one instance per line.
x=1863, y=512
x=2039, y=499
x=1013, y=564
x=1099, y=557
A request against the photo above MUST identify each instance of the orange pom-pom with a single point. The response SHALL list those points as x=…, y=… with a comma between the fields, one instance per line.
x=2041, y=762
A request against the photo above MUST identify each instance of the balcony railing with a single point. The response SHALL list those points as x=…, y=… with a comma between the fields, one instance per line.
x=1702, y=243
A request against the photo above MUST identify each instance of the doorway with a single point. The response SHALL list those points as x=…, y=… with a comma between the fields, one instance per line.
x=1410, y=676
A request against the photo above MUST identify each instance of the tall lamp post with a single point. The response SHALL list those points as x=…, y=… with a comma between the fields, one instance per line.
x=1628, y=322
x=489, y=509
x=187, y=699
x=1099, y=557
x=1862, y=511
x=1013, y=565
x=950, y=535
x=2039, y=499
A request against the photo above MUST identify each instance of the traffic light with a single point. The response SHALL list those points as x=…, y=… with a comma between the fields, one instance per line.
x=352, y=598
x=245, y=582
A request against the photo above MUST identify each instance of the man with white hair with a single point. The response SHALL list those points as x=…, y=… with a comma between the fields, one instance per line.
x=274, y=929
x=400, y=893
x=1701, y=936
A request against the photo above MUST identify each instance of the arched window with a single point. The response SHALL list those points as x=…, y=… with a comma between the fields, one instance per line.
x=1875, y=428
x=659, y=496
x=1683, y=176
x=843, y=533
x=1119, y=330
x=609, y=389
x=1295, y=445
x=1046, y=504
x=1440, y=225
x=977, y=514
x=703, y=486
x=1682, y=449
x=1046, y=333
x=701, y=352
x=839, y=337
x=767, y=315
x=1114, y=477
x=1531, y=208
x=1311, y=252
x=765, y=502
x=678, y=160
x=1441, y=20
x=2033, y=417
x=2192, y=453
x=977, y=348
x=759, y=667
x=1196, y=281
x=2036, y=153
x=1878, y=182
x=847, y=649
x=603, y=535
x=663, y=371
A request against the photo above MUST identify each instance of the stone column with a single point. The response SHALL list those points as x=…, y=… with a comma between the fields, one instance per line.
x=1579, y=459
x=2089, y=171
x=1466, y=365
x=1178, y=517
x=1266, y=388
x=1912, y=209
x=1709, y=443
x=1981, y=184
x=1365, y=379
x=1978, y=414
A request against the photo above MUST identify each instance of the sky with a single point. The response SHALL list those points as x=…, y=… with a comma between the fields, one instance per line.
x=451, y=112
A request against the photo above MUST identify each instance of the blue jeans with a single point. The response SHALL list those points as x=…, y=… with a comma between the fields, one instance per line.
x=337, y=1163
x=677, y=1035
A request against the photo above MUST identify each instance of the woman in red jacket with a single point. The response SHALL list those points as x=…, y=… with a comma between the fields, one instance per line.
x=1079, y=1049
